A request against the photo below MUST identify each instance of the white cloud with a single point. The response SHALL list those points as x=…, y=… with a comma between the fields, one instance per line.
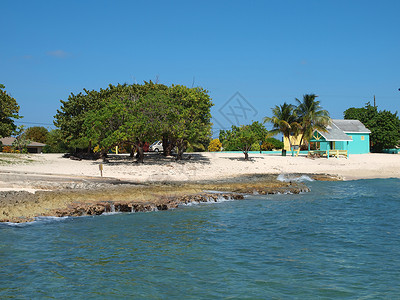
x=58, y=53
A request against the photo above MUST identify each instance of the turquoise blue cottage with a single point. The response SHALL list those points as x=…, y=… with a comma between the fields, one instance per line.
x=343, y=137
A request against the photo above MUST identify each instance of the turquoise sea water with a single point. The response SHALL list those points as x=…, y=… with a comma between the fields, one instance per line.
x=340, y=241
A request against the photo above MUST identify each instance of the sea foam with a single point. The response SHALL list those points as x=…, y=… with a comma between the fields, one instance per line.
x=289, y=177
x=38, y=220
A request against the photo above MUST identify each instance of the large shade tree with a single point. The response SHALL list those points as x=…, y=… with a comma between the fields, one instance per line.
x=73, y=112
x=9, y=109
x=191, y=117
x=135, y=114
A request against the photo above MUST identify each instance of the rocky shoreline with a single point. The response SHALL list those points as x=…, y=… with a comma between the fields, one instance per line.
x=62, y=197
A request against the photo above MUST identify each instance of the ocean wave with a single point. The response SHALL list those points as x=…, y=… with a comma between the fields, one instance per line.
x=38, y=220
x=289, y=178
x=210, y=200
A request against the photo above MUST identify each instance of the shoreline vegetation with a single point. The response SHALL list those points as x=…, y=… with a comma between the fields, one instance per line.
x=49, y=185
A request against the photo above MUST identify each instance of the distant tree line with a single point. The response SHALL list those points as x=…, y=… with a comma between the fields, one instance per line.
x=384, y=125
x=288, y=119
x=131, y=115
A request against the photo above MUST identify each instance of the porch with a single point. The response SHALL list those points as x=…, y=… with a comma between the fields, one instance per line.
x=333, y=143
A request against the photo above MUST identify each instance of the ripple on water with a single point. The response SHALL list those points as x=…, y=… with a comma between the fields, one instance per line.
x=341, y=240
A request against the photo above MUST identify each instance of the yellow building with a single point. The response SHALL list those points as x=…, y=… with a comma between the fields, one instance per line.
x=295, y=140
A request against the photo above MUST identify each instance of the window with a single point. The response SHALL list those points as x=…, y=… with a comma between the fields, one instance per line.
x=362, y=137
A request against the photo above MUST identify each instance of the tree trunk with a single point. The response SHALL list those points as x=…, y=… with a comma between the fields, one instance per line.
x=290, y=143
x=141, y=155
x=246, y=155
x=169, y=146
x=89, y=149
x=132, y=153
x=140, y=152
x=164, y=145
x=301, y=140
x=181, y=148
x=103, y=155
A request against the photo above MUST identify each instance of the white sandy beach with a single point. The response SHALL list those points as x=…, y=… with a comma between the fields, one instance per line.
x=201, y=166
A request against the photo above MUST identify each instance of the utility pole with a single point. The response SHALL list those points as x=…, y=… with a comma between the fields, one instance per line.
x=374, y=101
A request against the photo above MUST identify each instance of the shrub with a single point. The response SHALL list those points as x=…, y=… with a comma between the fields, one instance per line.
x=8, y=149
x=267, y=146
x=255, y=146
x=271, y=144
x=96, y=149
x=195, y=147
x=215, y=145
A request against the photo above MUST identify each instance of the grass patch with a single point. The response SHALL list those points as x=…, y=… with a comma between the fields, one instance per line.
x=14, y=159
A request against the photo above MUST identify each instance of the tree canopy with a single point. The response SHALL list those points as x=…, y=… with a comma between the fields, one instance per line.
x=9, y=109
x=302, y=119
x=243, y=137
x=384, y=125
x=135, y=114
x=311, y=116
x=37, y=134
x=285, y=120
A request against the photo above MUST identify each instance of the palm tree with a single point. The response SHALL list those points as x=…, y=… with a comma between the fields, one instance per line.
x=311, y=116
x=284, y=120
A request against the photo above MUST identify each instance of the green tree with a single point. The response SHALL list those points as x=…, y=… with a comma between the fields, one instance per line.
x=272, y=143
x=284, y=120
x=363, y=114
x=72, y=113
x=384, y=125
x=55, y=142
x=37, y=134
x=311, y=116
x=130, y=120
x=21, y=142
x=148, y=113
x=243, y=137
x=190, y=121
x=135, y=114
x=228, y=143
x=102, y=126
x=9, y=109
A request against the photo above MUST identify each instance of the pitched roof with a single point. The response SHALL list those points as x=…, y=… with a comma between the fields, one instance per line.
x=334, y=134
x=351, y=126
x=8, y=141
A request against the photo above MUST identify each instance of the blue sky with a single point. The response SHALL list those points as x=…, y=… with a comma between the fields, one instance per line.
x=268, y=51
